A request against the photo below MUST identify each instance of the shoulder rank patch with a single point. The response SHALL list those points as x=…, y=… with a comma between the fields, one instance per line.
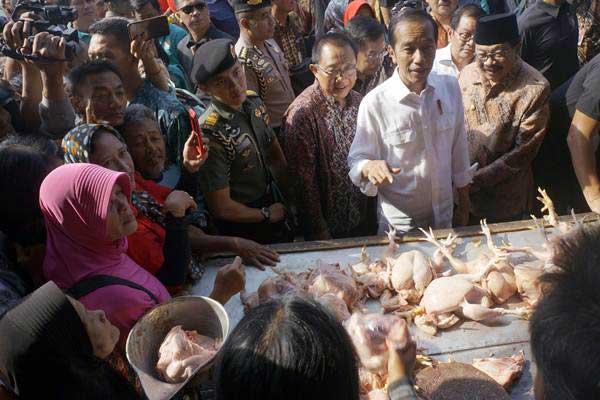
x=212, y=119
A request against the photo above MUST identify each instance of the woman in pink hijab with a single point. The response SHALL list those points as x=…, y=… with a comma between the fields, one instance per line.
x=88, y=217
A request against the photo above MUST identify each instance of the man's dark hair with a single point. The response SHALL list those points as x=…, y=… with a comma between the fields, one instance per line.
x=77, y=77
x=410, y=15
x=363, y=29
x=290, y=349
x=470, y=10
x=565, y=327
x=25, y=160
x=332, y=39
x=137, y=5
x=115, y=27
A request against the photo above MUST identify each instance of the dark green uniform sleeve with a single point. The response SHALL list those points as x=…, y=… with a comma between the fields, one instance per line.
x=214, y=174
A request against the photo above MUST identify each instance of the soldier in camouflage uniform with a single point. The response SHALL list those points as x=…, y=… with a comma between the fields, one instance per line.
x=267, y=71
x=244, y=178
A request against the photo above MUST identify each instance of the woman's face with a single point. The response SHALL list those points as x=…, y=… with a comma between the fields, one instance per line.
x=110, y=153
x=121, y=221
x=103, y=335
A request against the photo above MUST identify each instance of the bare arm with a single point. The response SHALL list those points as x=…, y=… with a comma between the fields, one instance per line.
x=31, y=96
x=579, y=139
x=224, y=207
x=251, y=252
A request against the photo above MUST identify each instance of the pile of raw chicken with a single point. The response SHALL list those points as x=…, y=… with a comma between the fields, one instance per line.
x=434, y=292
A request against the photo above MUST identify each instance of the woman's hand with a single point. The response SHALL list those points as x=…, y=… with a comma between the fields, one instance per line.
x=230, y=280
x=178, y=202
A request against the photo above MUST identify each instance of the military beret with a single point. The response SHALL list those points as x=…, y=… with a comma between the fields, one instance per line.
x=241, y=6
x=496, y=29
x=211, y=59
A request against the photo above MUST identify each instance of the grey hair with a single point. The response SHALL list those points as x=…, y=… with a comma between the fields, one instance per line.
x=138, y=113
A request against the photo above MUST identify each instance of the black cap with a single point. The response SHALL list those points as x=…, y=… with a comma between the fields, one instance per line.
x=496, y=29
x=240, y=6
x=211, y=59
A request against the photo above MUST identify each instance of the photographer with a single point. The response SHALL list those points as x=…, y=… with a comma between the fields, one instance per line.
x=57, y=113
x=31, y=92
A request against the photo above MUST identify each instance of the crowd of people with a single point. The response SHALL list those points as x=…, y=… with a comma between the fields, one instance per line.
x=125, y=161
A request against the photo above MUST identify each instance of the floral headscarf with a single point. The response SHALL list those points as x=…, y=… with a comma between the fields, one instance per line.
x=77, y=145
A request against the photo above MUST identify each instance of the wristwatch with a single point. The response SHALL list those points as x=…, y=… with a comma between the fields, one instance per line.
x=266, y=213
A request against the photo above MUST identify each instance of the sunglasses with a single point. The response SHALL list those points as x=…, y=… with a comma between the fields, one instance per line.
x=190, y=9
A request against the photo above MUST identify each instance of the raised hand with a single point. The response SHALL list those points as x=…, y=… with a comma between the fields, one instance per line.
x=192, y=158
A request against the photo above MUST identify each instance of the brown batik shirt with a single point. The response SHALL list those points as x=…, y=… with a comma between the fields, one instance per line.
x=506, y=124
x=318, y=133
x=290, y=39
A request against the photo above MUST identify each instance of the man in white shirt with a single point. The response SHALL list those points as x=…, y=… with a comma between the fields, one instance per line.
x=410, y=146
x=460, y=52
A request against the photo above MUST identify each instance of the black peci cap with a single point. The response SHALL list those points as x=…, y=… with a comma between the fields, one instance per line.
x=496, y=29
x=240, y=6
x=211, y=59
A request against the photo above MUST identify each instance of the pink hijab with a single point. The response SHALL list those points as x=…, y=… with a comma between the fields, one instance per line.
x=75, y=199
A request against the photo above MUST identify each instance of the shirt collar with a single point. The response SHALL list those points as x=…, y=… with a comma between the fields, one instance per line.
x=549, y=9
x=401, y=91
x=329, y=100
x=223, y=109
x=444, y=56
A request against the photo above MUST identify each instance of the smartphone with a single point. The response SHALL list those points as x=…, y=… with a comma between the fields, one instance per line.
x=197, y=131
x=153, y=28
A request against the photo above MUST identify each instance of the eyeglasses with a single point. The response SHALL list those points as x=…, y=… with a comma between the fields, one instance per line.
x=377, y=56
x=345, y=72
x=499, y=56
x=190, y=9
x=465, y=37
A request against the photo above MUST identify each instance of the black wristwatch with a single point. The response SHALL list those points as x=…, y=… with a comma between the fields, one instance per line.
x=266, y=213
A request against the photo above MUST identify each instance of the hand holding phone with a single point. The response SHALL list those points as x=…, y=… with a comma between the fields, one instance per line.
x=195, y=152
x=150, y=28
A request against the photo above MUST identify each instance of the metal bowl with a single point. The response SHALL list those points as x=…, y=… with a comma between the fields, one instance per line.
x=202, y=314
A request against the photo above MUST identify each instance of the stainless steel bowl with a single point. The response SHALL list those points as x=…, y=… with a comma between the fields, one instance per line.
x=202, y=314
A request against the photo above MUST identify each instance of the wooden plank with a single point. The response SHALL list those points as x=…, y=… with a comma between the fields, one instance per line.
x=369, y=241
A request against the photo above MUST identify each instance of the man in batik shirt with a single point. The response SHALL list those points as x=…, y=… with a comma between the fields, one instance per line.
x=506, y=113
x=319, y=128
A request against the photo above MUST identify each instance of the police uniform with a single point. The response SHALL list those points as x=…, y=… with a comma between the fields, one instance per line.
x=239, y=142
x=267, y=71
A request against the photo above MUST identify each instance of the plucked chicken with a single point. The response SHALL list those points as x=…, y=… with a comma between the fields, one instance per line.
x=503, y=370
x=182, y=352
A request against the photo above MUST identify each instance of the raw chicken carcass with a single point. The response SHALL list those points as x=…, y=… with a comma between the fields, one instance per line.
x=370, y=381
x=274, y=288
x=500, y=282
x=411, y=272
x=182, y=352
x=503, y=370
x=336, y=306
x=528, y=284
x=336, y=283
x=481, y=265
x=458, y=294
x=369, y=333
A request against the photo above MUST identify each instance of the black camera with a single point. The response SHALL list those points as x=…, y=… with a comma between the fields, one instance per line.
x=48, y=18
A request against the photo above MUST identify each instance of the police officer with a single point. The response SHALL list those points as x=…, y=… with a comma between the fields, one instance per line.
x=267, y=71
x=244, y=178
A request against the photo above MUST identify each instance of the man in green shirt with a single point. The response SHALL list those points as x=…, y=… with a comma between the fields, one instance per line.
x=244, y=178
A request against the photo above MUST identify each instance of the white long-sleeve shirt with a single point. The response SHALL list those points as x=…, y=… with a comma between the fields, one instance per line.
x=443, y=64
x=424, y=135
